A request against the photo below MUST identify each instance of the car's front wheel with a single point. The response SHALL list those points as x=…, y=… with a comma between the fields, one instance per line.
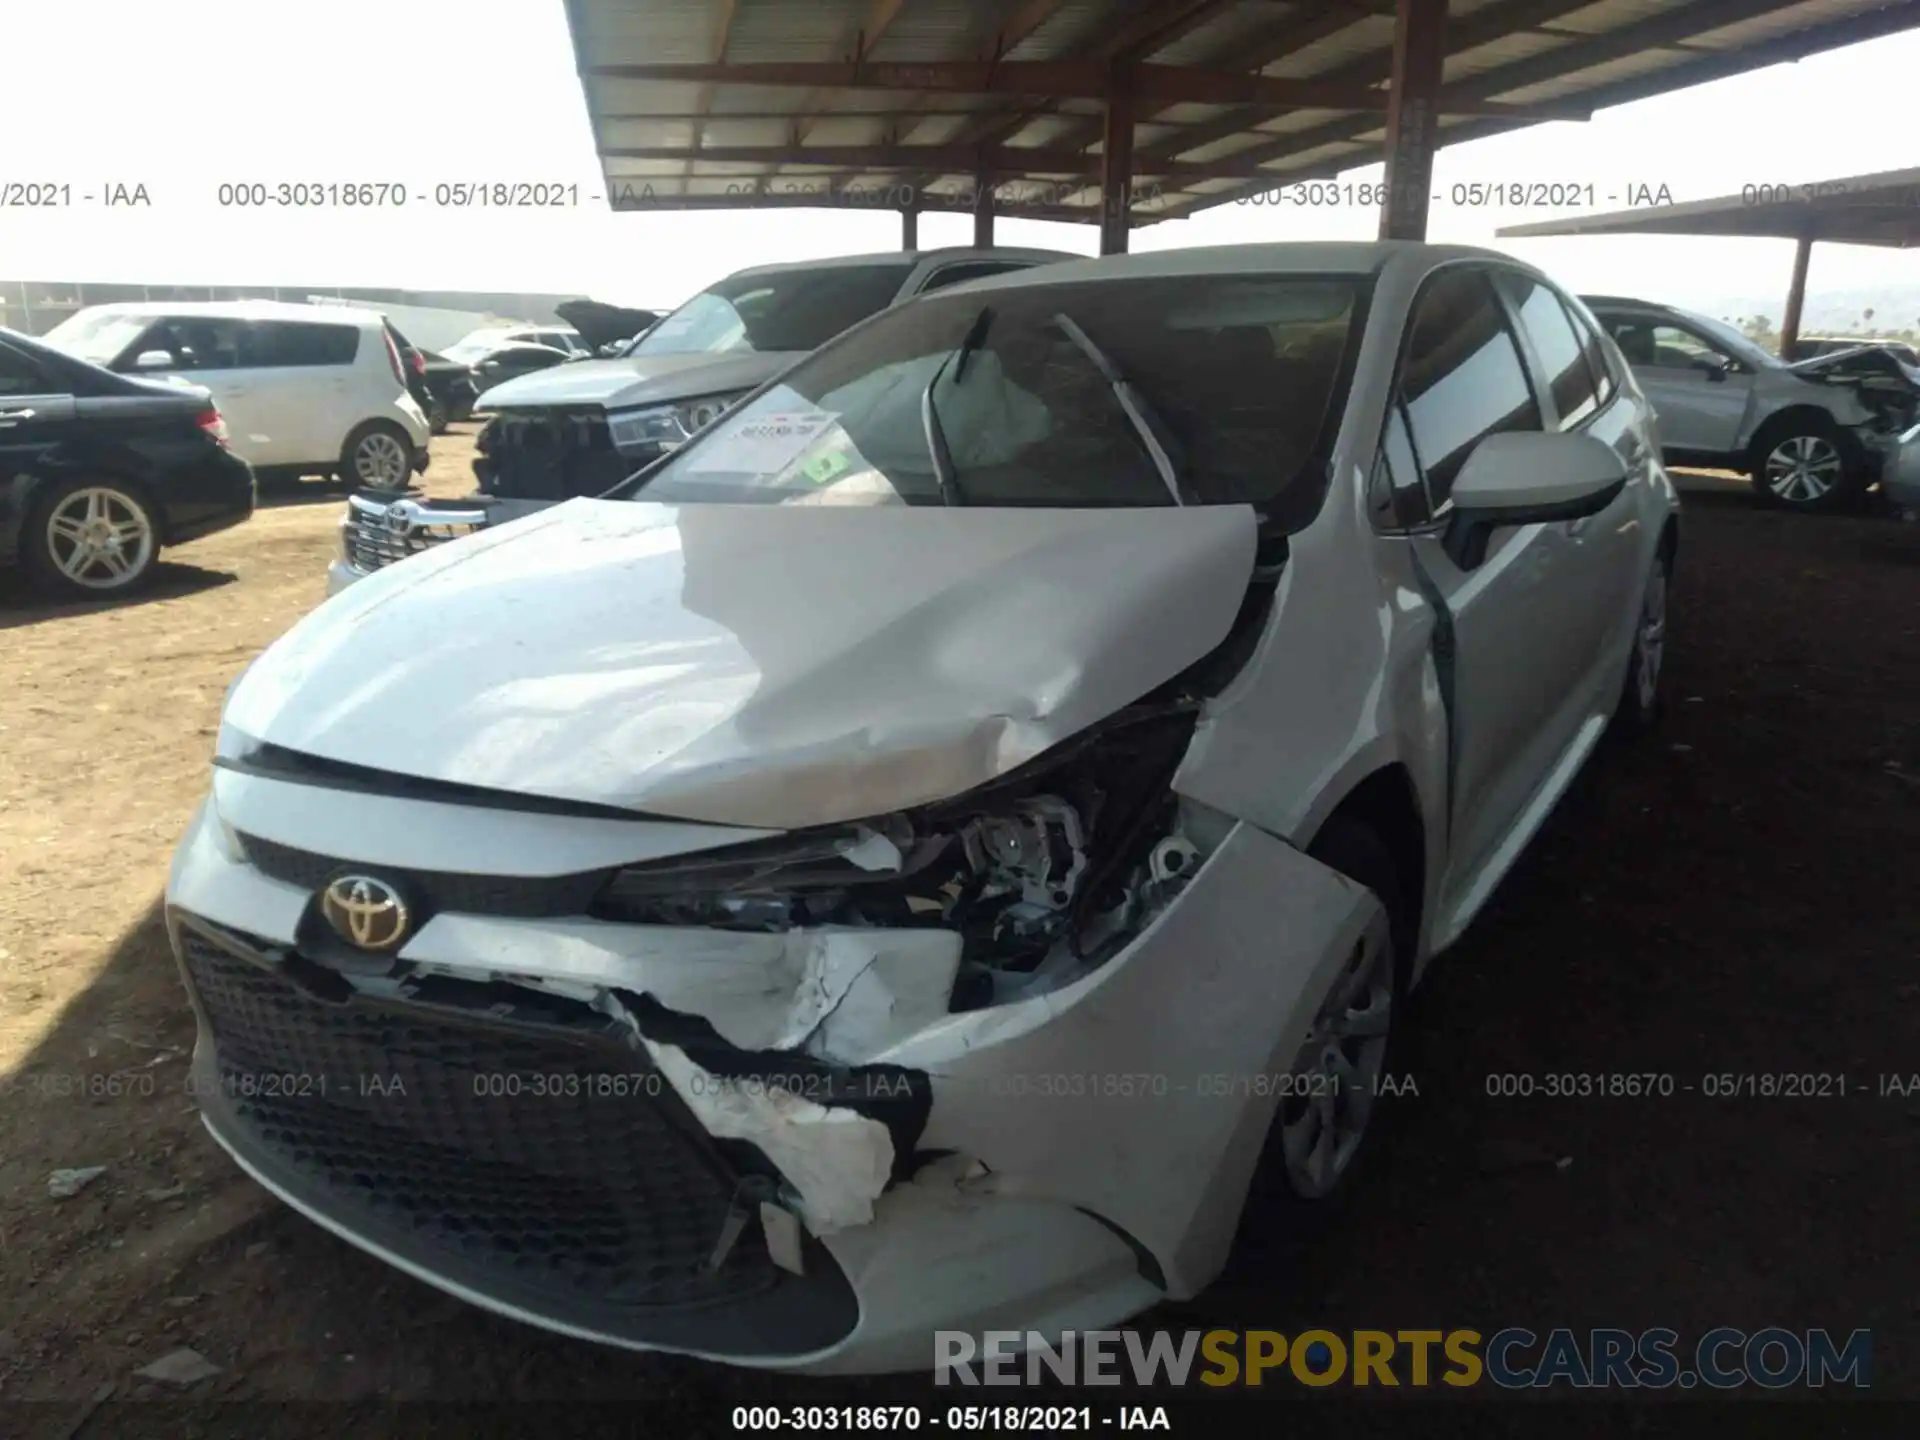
x=1801, y=464
x=91, y=538
x=1330, y=1100
x=377, y=455
x=1640, y=697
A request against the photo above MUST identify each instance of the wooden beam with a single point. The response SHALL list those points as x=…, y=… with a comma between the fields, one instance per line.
x=1073, y=79
x=1419, y=52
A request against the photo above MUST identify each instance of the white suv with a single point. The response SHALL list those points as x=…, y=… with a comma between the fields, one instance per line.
x=305, y=389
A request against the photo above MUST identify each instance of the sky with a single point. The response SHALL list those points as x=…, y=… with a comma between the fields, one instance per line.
x=180, y=97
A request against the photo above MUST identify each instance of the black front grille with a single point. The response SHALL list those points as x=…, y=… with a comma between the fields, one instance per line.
x=578, y=1185
x=523, y=896
x=551, y=455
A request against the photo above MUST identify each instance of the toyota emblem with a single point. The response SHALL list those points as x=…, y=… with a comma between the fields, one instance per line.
x=366, y=913
x=402, y=516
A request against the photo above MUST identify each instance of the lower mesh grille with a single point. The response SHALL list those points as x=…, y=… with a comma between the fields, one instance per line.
x=581, y=1189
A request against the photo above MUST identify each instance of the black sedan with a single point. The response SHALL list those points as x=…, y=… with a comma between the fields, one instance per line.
x=510, y=362
x=99, y=472
x=444, y=389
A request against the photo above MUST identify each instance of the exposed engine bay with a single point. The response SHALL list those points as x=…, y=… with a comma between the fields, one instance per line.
x=1047, y=870
x=1886, y=384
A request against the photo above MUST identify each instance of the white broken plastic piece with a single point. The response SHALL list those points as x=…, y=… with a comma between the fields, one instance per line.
x=782, y=1229
x=65, y=1184
x=837, y=1161
x=872, y=851
x=181, y=1367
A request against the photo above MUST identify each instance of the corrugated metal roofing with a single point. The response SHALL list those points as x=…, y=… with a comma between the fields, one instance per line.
x=710, y=137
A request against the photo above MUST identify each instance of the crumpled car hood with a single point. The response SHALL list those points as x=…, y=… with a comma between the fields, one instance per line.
x=758, y=665
x=645, y=380
x=1868, y=358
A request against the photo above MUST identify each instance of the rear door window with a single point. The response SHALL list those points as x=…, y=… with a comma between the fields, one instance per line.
x=285, y=344
x=971, y=270
x=1568, y=376
x=1462, y=379
x=19, y=375
x=196, y=342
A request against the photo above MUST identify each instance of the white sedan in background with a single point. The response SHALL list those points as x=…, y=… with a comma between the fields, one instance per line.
x=929, y=850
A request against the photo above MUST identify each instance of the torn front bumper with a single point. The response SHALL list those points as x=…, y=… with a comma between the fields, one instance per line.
x=555, y=1117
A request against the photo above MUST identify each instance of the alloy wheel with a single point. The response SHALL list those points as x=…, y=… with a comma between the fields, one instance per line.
x=1337, y=1073
x=100, y=538
x=380, y=460
x=1802, y=469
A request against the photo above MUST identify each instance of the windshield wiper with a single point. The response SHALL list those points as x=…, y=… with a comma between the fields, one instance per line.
x=1147, y=424
x=937, y=448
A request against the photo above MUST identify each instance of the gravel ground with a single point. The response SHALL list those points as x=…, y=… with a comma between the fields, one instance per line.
x=1736, y=896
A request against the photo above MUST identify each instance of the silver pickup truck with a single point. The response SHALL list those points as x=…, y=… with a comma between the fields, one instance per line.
x=580, y=429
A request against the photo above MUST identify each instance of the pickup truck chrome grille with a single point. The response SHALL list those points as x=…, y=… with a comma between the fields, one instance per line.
x=376, y=533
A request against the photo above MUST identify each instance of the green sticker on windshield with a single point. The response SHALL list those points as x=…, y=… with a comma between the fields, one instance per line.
x=824, y=466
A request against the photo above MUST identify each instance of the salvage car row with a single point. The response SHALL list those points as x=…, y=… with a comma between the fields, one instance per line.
x=300, y=389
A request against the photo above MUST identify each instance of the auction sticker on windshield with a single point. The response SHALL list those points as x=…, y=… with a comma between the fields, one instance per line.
x=762, y=444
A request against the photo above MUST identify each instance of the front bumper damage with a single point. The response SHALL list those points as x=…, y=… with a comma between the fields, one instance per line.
x=779, y=1149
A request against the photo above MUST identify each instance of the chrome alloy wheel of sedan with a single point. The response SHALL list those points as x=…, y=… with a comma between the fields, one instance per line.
x=1802, y=469
x=100, y=538
x=1338, y=1071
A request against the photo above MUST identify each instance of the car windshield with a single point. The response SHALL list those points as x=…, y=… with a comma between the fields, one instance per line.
x=101, y=336
x=1007, y=397
x=1729, y=340
x=775, y=310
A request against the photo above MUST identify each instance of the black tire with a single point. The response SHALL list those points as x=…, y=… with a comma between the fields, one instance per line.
x=1824, y=457
x=47, y=544
x=1275, y=1204
x=361, y=444
x=436, y=414
x=1640, y=703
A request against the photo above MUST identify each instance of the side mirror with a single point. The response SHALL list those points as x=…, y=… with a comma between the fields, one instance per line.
x=153, y=360
x=1529, y=478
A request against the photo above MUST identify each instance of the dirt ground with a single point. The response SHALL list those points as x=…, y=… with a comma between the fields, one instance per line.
x=1737, y=896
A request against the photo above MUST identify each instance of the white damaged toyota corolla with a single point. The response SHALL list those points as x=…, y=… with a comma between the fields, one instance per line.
x=920, y=853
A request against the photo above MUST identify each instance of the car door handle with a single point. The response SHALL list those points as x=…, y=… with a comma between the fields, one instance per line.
x=26, y=414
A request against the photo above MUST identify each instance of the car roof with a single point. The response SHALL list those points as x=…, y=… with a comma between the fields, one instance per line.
x=906, y=260
x=244, y=310
x=1357, y=258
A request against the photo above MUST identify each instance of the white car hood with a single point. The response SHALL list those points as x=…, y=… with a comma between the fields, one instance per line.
x=643, y=380
x=758, y=665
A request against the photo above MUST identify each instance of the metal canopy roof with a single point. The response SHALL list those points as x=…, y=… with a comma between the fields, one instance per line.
x=711, y=104
x=1882, y=209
